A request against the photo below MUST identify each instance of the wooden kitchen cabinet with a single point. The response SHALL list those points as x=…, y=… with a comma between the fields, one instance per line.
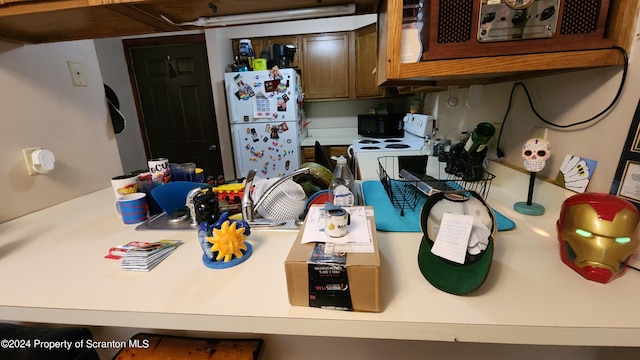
x=326, y=65
x=334, y=66
x=366, y=62
x=437, y=74
x=64, y=20
x=309, y=152
x=340, y=65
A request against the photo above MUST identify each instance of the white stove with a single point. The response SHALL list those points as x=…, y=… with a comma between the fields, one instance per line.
x=417, y=129
x=409, y=142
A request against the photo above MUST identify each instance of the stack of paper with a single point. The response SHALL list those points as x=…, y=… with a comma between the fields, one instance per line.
x=143, y=256
x=358, y=238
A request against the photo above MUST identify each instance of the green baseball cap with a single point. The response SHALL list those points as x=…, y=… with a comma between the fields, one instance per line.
x=447, y=275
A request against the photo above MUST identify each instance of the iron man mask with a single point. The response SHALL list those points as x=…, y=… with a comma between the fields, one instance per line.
x=598, y=233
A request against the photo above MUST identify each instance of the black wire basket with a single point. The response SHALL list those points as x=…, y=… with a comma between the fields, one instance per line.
x=406, y=182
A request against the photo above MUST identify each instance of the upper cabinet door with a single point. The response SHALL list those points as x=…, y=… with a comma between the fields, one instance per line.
x=365, y=58
x=326, y=65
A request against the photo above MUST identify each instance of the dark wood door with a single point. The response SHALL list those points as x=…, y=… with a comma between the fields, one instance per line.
x=172, y=84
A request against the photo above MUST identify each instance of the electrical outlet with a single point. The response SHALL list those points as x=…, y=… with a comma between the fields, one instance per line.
x=76, y=71
x=539, y=132
x=493, y=143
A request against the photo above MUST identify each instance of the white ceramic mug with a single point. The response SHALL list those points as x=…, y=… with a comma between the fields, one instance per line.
x=124, y=185
x=336, y=223
x=132, y=208
x=160, y=171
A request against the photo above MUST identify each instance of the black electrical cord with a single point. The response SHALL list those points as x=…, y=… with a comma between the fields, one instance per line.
x=625, y=68
x=633, y=267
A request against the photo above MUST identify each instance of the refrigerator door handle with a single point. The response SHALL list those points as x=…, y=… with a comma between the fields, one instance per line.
x=238, y=150
x=232, y=106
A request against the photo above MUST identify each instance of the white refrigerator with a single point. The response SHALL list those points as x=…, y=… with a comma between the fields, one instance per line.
x=266, y=118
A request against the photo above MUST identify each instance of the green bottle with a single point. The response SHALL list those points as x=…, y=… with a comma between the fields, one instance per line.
x=479, y=137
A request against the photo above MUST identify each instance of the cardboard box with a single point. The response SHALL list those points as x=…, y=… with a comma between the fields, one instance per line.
x=344, y=282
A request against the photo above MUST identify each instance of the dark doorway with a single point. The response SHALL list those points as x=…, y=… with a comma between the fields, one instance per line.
x=172, y=86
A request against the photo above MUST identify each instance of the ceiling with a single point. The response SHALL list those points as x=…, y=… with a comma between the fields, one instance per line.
x=31, y=21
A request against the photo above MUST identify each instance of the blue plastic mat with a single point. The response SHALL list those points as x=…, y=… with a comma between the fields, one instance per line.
x=388, y=217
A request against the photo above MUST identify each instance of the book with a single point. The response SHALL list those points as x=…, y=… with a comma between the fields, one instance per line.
x=142, y=256
x=147, y=263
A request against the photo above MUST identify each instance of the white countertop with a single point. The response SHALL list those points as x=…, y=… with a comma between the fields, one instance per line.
x=334, y=136
x=54, y=272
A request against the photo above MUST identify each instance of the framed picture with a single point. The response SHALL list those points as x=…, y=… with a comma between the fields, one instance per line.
x=630, y=182
x=626, y=182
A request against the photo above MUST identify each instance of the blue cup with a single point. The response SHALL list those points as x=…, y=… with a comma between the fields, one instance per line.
x=132, y=208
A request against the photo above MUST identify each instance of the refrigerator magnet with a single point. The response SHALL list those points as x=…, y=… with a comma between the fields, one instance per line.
x=281, y=104
x=271, y=85
x=275, y=73
x=274, y=133
x=262, y=107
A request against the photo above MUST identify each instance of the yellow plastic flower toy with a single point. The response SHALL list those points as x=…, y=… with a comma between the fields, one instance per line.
x=228, y=241
x=224, y=242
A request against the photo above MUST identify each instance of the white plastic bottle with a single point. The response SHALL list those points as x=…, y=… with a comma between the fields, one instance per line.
x=341, y=189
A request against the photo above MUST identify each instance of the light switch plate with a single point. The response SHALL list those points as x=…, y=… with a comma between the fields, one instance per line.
x=76, y=70
x=27, y=159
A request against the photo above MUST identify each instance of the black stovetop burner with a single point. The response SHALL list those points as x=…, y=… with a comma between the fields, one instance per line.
x=370, y=148
x=369, y=141
x=397, y=146
x=393, y=140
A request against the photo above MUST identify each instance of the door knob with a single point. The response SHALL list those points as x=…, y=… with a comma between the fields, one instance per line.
x=213, y=147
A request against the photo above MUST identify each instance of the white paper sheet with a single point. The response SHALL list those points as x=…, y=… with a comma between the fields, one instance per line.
x=358, y=239
x=453, y=237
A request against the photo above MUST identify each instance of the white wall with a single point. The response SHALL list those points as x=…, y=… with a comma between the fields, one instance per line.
x=344, y=114
x=219, y=53
x=40, y=108
x=113, y=68
x=561, y=99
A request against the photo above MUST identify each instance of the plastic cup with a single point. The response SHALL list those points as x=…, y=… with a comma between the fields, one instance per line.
x=184, y=172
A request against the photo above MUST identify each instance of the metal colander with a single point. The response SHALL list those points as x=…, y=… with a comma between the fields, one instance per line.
x=285, y=202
